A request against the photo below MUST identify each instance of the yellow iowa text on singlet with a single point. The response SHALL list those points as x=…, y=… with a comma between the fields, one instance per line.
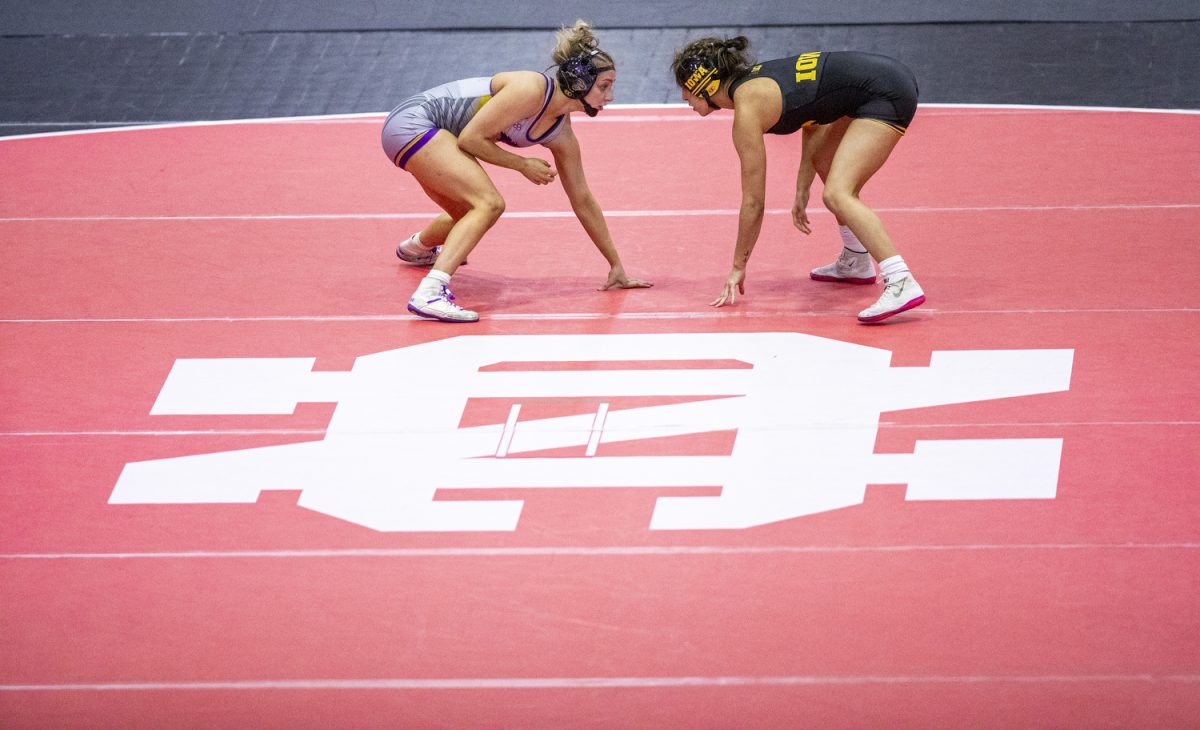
x=806, y=65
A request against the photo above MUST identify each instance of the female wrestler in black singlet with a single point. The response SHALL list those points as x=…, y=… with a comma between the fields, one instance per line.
x=852, y=108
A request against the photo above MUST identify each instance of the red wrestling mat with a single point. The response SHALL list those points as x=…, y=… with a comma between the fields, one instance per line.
x=245, y=488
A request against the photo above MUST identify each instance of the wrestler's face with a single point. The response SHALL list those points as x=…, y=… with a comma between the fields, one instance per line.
x=602, y=90
x=698, y=104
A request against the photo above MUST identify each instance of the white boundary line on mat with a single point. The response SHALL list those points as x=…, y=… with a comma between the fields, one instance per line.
x=594, y=551
x=517, y=683
x=374, y=117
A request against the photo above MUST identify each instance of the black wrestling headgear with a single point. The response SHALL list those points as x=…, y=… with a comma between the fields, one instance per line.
x=578, y=73
x=700, y=77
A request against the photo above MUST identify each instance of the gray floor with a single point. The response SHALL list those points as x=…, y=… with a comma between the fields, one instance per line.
x=102, y=65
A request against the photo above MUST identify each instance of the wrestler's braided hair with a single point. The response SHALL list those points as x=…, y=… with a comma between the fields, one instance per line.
x=728, y=56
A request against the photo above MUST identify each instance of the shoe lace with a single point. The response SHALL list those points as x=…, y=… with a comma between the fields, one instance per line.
x=449, y=297
x=894, y=287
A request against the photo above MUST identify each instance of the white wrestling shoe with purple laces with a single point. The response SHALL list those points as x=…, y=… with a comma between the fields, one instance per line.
x=439, y=305
x=411, y=252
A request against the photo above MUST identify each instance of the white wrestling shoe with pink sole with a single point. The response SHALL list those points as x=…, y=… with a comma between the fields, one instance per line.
x=851, y=267
x=899, y=295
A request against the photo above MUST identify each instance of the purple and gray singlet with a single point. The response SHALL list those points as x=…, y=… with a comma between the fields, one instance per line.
x=451, y=107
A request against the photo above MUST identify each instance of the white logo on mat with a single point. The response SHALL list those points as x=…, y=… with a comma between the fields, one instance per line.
x=804, y=442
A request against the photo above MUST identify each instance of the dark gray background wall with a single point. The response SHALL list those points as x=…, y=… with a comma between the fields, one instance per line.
x=78, y=17
x=69, y=64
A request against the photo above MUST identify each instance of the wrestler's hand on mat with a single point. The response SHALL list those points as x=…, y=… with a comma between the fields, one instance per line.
x=734, y=285
x=800, y=214
x=618, y=280
x=538, y=171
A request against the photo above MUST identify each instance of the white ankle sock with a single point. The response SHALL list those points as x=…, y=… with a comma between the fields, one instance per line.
x=850, y=241
x=434, y=281
x=893, y=267
x=413, y=246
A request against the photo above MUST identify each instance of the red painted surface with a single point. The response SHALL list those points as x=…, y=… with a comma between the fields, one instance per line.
x=1080, y=611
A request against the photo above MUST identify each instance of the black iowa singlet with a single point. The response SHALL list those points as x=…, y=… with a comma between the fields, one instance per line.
x=820, y=87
